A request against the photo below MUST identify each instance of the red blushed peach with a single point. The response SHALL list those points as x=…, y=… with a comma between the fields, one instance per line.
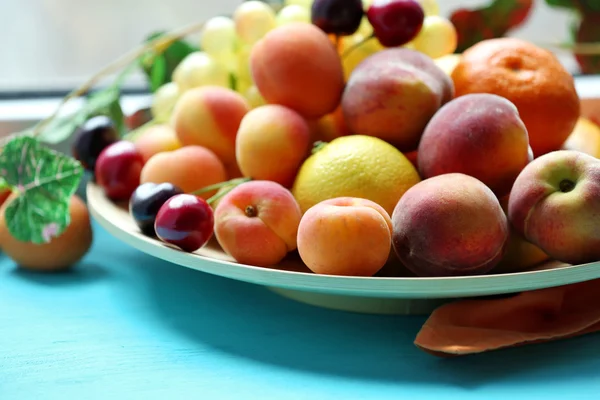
x=297, y=66
x=480, y=135
x=449, y=225
x=345, y=236
x=393, y=94
x=257, y=223
x=271, y=144
x=555, y=204
x=210, y=116
x=156, y=139
x=190, y=168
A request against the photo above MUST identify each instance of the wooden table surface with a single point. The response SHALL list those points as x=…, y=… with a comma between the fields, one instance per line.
x=125, y=325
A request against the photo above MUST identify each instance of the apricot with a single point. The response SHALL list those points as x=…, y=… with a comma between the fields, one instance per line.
x=480, y=135
x=62, y=252
x=330, y=126
x=257, y=223
x=297, y=66
x=393, y=94
x=585, y=138
x=156, y=139
x=210, y=116
x=271, y=144
x=190, y=168
x=345, y=236
x=449, y=225
x=521, y=255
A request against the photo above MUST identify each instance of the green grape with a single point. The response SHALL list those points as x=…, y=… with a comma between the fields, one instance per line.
x=437, y=37
x=253, y=19
x=365, y=29
x=164, y=100
x=304, y=3
x=228, y=59
x=200, y=69
x=293, y=13
x=243, y=64
x=218, y=36
x=254, y=97
x=430, y=7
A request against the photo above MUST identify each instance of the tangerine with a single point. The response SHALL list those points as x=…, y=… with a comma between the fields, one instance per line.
x=530, y=77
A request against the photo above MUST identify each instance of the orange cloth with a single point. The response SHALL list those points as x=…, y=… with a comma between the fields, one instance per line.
x=479, y=325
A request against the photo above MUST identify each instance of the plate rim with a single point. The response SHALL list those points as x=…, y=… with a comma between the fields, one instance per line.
x=385, y=287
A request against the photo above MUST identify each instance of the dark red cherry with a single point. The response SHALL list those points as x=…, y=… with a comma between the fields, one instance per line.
x=186, y=221
x=338, y=17
x=118, y=170
x=147, y=200
x=91, y=138
x=395, y=22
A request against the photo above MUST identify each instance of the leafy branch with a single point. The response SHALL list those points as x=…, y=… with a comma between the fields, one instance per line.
x=45, y=180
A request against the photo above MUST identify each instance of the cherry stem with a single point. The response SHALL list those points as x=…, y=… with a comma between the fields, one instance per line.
x=134, y=134
x=356, y=45
x=219, y=185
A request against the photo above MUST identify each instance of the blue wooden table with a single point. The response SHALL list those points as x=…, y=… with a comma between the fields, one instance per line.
x=125, y=325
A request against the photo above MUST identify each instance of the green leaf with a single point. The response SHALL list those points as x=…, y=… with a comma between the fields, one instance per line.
x=45, y=181
x=570, y=4
x=172, y=56
x=61, y=128
x=158, y=73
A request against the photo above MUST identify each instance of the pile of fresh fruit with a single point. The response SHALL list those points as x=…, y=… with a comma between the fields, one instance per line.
x=348, y=132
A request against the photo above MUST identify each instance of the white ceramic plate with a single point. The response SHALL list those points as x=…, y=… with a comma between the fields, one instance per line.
x=380, y=294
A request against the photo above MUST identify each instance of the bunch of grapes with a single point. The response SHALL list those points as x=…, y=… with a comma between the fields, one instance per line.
x=359, y=28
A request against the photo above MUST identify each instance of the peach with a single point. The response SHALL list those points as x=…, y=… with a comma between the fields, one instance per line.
x=271, y=144
x=190, y=168
x=555, y=204
x=479, y=135
x=210, y=116
x=297, y=66
x=345, y=236
x=156, y=139
x=257, y=223
x=449, y=225
x=585, y=138
x=4, y=195
x=393, y=94
x=62, y=252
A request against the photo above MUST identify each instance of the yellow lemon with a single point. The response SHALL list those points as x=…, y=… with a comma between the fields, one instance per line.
x=355, y=166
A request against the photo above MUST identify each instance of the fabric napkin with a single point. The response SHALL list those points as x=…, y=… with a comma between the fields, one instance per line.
x=479, y=325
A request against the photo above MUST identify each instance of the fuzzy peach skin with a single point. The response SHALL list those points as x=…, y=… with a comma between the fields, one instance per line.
x=156, y=139
x=345, y=236
x=297, y=66
x=272, y=143
x=393, y=94
x=257, y=223
x=190, y=168
x=555, y=204
x=210, y=116
x=449, y=225
x=480, y=135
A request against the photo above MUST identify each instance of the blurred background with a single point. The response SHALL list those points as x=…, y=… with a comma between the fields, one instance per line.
x=50, y=46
